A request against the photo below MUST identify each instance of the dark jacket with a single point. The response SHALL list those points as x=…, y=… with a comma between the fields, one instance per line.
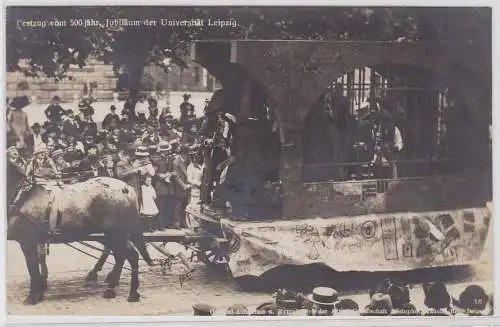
x=54, y=112
x=109, y=119
x=163, y=164
x=180, y=171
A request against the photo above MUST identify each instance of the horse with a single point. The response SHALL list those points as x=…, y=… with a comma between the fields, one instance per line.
x=97, y=205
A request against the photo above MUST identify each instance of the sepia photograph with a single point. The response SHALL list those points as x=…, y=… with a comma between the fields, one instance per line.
x=249, y=161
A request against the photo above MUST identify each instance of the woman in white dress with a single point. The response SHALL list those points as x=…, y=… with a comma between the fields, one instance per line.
x=149, y=210
x=194, y=178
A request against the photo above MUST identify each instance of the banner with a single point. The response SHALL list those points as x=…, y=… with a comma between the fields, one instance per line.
x=382, y=242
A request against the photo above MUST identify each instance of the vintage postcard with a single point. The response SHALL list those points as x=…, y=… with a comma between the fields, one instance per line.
x=249, y=161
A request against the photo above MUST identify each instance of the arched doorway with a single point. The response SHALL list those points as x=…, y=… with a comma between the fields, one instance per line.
x=386, y=121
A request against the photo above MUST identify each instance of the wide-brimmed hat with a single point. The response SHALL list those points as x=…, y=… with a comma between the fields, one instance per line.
x=164, y=146
x=347, y=304
x=237, y=310
x=56, y=98
x=266, y=309
x=436, y=296
x=57, y=153
x=42, y=148
x=473, y=299
x=324, y=296
x=20, y=102
x=186, y=96
x=380, y=305
x=202, y=309
x=141, y=151
x=85, y=103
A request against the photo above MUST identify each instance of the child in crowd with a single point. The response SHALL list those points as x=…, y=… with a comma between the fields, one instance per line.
x=148, y=208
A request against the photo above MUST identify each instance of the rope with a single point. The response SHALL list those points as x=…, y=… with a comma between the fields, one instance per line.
x=90, y=255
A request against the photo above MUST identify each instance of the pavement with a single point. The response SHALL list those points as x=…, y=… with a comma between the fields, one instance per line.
x=69, y=294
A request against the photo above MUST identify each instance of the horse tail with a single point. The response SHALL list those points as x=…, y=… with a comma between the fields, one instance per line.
x=140, y=244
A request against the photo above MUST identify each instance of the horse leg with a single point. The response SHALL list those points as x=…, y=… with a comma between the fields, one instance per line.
x=133, y=259
x=114, y=276
x=44, y=270
x=92, y=275
x=32, y=261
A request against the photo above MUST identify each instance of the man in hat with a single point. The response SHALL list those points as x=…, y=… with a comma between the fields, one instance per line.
x=183, y=188
x=437, y=299
x=18, y=120
x=74, y=148
x=69, y=125
x=107, y=166
x=473, y=301
x=111, y=120
x=203, y=310
x=165, y=190
x=41, y=165
x=35, y=139
x=323, y=301
x=185, y=107
x=61, y=165
x=380, y=305
x=54, y=111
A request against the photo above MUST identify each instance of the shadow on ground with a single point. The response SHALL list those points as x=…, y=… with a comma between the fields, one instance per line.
x=305, y=278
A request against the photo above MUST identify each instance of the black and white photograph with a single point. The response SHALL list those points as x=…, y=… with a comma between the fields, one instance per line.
x=249, y=161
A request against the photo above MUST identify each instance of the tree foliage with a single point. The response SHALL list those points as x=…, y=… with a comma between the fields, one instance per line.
x=51, y=50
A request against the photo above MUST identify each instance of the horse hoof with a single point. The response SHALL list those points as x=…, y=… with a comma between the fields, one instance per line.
x=109, y=294
x=32, y=299
x=91, y=277
x=135, y=297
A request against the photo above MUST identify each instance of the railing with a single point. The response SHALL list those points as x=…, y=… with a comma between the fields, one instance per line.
x=387, y=170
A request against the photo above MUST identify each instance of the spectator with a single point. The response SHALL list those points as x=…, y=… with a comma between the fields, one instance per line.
x=18, y=121
x=203, y=310
x=35, y=139
x=237, y=310
x=149, y=210
x=180, y=164
x=111, y=120
x=165, y=189
x=473, y=301
x=323, y=301
x=184, y=108
x=380, y=305
x=54, y=111
x=194, y=174
x=437, y=299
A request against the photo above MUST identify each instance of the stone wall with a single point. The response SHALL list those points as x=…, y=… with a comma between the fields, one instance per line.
x=45, y=88
x=194, y=78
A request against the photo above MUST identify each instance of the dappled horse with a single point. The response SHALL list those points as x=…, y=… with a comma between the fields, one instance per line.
x=98, y=205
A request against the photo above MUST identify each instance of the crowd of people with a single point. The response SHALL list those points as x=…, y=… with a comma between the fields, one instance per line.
x=159, y=155
x=389, y=298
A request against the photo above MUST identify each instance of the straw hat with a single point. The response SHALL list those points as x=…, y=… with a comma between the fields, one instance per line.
x=141, y=151
x=42, y=148
x=324, y=296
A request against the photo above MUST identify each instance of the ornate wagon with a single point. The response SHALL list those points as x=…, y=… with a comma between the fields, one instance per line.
x=327, y=190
